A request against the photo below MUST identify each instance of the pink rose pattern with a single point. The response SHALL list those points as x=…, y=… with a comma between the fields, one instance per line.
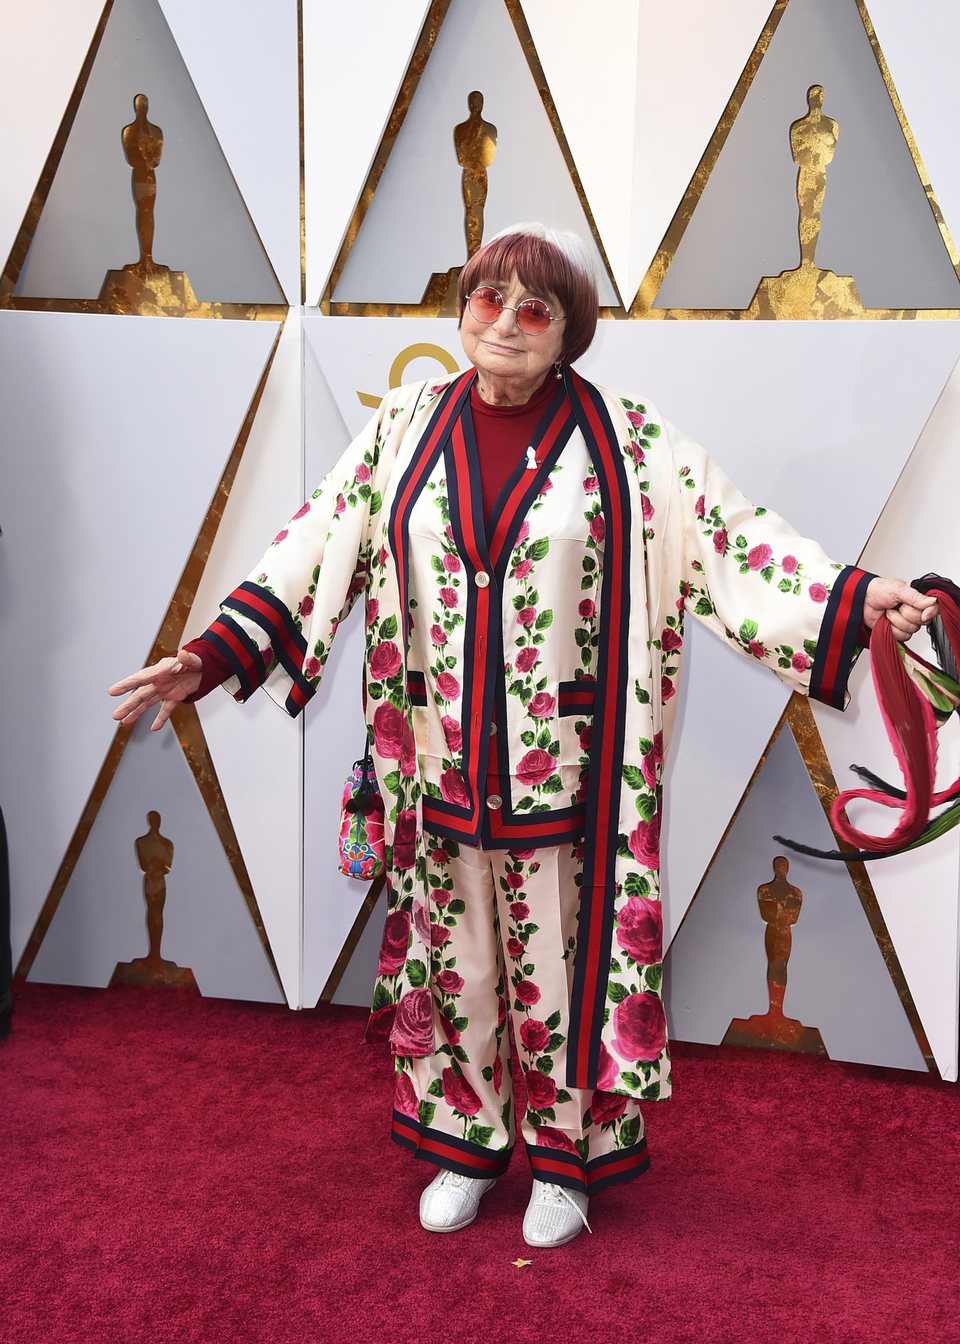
x=466, y=1090
x=750, y=557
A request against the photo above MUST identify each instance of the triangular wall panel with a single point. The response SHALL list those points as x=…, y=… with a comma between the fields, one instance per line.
x=876, y=222
x=115, y=471
x=414, y=226
x=87, y=226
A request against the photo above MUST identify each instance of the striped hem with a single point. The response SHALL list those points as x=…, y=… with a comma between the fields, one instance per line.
x=567, y=1169
x=444, y=1150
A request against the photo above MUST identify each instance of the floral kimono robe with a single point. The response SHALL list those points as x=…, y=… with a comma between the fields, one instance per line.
x=520, y=684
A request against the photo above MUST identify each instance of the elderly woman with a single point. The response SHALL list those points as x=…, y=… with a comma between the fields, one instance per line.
x=528, y=545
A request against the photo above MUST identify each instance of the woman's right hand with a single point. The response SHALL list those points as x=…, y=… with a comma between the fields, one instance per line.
x=166, y=684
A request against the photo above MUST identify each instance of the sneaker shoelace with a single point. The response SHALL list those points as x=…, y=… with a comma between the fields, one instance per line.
x=559, y=1194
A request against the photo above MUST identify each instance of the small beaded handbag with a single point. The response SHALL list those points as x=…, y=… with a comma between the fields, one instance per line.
x=361, y=822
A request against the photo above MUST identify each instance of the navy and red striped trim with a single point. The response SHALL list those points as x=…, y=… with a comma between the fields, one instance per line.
x=416, y=687
x=839, y=632
x=412, y=481
x=241, y=652
x=443, y=1150
x=595, y=930
x=267, y=611
x=576, y=697
x=481, y=692
x=567, y=1169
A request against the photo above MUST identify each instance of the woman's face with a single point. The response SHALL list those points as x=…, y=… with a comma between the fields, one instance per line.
x=500, y=349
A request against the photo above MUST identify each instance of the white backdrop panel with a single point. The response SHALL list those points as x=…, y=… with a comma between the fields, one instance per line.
x=639, y=91
x=837, y=980
x=920, y=43
x=245, y=70
x=38, y=79
x=349, y=86
x=257, y=748
x=104, y=488
x=334, y=734
x=918, y=893
x=414, y=225
x=101, y=918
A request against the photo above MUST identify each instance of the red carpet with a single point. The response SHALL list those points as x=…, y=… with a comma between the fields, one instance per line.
x=178, y=1169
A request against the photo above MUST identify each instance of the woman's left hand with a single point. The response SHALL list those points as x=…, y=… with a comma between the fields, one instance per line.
x=905, y=608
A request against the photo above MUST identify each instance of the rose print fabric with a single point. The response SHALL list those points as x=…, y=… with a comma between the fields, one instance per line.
x=501, y=926
x=521, y=671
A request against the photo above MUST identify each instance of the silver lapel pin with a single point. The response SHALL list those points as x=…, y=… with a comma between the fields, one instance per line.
x=532, y=462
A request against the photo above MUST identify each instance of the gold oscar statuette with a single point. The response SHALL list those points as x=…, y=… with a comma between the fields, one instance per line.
x=144, y=286
x=808, y=291
x=780, y=904
x=155, y=857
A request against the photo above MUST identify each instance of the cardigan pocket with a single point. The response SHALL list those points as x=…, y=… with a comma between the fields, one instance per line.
x=575, y=702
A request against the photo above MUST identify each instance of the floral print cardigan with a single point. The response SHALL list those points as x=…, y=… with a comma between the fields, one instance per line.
x=520, y=679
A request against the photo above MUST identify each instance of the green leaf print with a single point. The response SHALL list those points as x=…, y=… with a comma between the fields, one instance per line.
x=388, y=627
x=436, y=1088
x=538, y=549
x=376, y=499
x=562, y=1096
x=381, y=998
x=629, y=1132
x=654, y=975
x=553, y=1021
x=631, y=1079
x=748, y=631
x=633, y=775
x=583, y=1147
x=544, y=620
x=481, y=1134
x=704, y=607
x=651, y=1093
x=456, y=907
x=426, y=1112
x=416, y=974
x=646, y=805
x=616, y=993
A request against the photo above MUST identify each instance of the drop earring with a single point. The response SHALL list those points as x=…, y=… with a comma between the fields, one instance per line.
x=559, y=368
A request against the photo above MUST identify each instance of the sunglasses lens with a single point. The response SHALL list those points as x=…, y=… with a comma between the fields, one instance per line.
x=533, y=316
x=485, y=304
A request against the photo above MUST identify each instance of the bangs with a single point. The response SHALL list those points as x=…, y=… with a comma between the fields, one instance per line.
x=544, y=272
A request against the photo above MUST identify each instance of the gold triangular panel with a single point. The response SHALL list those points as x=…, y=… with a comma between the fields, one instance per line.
x=819, y=149
x=473, y=144
x=141, y=212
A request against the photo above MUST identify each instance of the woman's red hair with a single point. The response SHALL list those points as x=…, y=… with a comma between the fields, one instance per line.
x=543, y=270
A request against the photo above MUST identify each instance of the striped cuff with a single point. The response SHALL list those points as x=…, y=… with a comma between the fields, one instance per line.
x=839, y=639
x=444, y=1150
x=559, y=1167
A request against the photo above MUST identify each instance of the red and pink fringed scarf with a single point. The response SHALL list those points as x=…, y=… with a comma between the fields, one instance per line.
x=916, y=698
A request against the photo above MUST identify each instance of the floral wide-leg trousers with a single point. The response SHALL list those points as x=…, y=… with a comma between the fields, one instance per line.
x=502, y=932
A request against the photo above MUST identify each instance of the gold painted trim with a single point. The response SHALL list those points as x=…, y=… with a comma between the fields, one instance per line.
x=352, y=939
x=168, y=636
x=21, y=246
x=803, y=725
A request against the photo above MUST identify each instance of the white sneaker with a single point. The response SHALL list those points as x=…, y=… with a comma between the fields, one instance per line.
x=451, y=1200
x=554, y=1215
